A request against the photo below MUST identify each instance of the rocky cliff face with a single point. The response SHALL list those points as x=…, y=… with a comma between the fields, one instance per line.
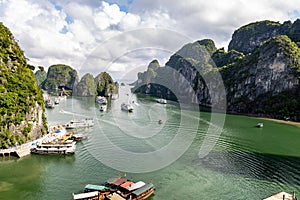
x=40, y=76
x=21, y=102
x=105, y=84
x=60, y=76
x=251, y=36
x=259, y=82
x=260, y=72
x=86, y=87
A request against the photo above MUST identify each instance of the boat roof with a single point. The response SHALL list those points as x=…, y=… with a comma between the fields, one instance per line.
x=143, y=189
x=136, y=186
x=279, y=196
x=126, y=184
x=116, y=180
x=120, y=181
x=95, y=187
x=112, y=180
x=85, y=195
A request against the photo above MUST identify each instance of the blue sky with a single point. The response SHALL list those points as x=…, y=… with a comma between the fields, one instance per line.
x=71, y=31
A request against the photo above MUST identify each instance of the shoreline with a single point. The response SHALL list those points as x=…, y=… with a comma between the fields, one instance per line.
x=292, y=123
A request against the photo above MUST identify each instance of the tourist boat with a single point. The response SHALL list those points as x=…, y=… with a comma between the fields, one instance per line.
x=162, y=101
x=127, y=189
x=56, y=142
x=84, y=123
x=260, y=125
x=101, y=100
x=118, y=188
x=49, y=103
x=143, y=192
x=126, y=107
x=55, y=148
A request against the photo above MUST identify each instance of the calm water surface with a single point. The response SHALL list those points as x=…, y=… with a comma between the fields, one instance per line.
x=246, y=163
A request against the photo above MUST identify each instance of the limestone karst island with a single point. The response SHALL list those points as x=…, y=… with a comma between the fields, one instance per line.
x=206, y=122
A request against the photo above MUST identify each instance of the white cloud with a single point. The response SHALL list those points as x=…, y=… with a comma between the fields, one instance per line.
x=77, y=30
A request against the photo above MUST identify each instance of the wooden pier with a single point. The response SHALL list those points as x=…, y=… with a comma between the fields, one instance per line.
x=20, y=151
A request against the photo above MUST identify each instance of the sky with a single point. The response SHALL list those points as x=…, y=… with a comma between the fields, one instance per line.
x=121, y=37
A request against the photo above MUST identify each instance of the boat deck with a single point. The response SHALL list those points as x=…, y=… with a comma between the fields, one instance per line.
x=280, y=196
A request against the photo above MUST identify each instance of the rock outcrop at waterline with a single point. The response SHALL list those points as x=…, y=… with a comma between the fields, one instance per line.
x=260, y=72
x=21, y=102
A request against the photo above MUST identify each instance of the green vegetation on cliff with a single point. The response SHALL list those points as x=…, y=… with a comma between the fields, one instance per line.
x=40, y=76
x=260, y=72
x=105, y=84
x=60, y=76
x=20, y=97
x=86, y=87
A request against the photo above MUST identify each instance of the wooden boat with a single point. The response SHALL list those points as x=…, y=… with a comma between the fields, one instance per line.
x=88, y=196
x=117, y=188
x=143, y=192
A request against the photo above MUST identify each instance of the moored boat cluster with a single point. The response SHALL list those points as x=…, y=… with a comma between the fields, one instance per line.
x=118, y=188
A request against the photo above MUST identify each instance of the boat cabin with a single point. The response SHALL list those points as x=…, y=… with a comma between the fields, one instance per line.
x=88, y=196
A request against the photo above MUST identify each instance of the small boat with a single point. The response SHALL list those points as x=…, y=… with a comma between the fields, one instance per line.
x=126, y=107
x=260, y=125
x=103, y=108
x=162, y=101
x=84, y=123
x=160, y=121
x=49, y=104
x=78, y=137
x=101, y=100
x=114, y=96
x=56, y=101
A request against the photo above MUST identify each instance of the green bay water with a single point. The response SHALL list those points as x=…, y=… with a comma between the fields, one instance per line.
x=246, y=163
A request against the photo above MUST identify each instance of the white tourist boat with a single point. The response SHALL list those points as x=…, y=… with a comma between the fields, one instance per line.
x=101, y=100
x=49, y=103
x=126, y=107
x=57, y=141
x=103, y=108
x=83, y=123
x=162, y=101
